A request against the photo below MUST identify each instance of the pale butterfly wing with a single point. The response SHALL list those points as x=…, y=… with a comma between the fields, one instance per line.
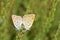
x=28, y=20
x=17, y=20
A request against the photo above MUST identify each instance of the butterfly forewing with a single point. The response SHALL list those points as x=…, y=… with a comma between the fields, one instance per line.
x=17, y=20
x=28, y=20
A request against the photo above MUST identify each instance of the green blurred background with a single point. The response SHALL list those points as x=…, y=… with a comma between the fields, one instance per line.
x=45, y=27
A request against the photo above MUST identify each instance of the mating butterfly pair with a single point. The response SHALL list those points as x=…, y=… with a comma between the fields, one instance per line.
x=26, y=20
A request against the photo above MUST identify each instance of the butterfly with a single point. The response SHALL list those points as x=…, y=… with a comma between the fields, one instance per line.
x=26, y=20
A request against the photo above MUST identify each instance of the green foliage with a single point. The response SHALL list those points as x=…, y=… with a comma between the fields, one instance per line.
x=45, y=27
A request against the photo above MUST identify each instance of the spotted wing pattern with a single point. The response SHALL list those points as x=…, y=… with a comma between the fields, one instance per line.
x=17, y=21
x=28, y=20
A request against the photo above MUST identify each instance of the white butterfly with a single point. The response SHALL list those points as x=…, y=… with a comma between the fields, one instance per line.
x=26, y=20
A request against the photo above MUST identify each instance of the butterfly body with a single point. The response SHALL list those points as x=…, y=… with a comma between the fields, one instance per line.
x=26, y=20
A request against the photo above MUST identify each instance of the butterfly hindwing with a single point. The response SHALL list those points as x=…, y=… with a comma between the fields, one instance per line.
x=28, y=20
x=17, y=20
